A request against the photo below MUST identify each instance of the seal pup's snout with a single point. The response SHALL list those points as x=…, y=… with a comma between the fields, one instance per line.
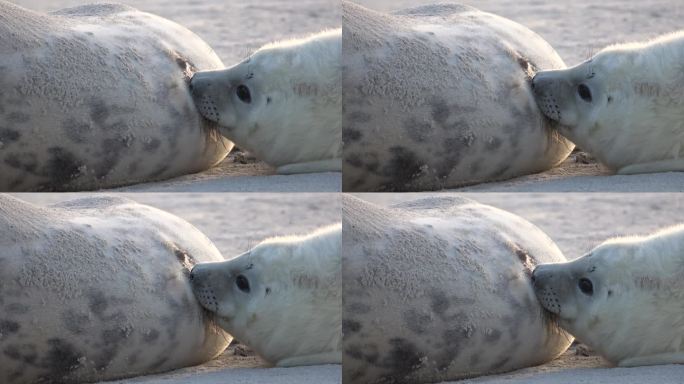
x=199, y=84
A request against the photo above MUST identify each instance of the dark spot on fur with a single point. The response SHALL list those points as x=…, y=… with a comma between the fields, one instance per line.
x=268, y=290
x=157, y=364
x=74, y=322
x=99, y=112
x=440, y=111
x=16, y=308
x=402, y=359
x=8, y=326
x=358, y=308
x=8, y=135
x=610, y=293
x=76, y=131
x=97, y=302
x=439, y=302
x=268, y=100
x=367, y=352
x=25, y=161
x=493, y=336
x=24, y=352
x=152, y=144
x=151, y=336
x=61, y=359
x=498, y=365
x=417, y=322
x=358, y=117
x=353, y=161
x=18, y=117
x=349, y=326
x=114, y=336
x=351, y=134
x=493, y=144
x=402, y=168
x=417, y=130
x=62, y=166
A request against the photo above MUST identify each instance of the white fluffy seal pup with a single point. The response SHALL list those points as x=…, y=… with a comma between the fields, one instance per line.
x=622, y=298
x=439, y=96
x=625, y=105
x=439, y=289
x=97, y=96
x=283, y=298
x=283, y=103
x=97, y=289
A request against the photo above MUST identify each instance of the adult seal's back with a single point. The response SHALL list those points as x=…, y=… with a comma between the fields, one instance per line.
x=439, y=289
x=97, y=289
x=439, y=96
x=97, y=96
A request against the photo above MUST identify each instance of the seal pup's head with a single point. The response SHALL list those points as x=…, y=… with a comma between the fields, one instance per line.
x=616, y=104
x=622, y=298
x=282, y=298
x=283, y=96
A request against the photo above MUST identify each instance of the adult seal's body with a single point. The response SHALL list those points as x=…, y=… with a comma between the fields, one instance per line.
x=438, y=96
x=97, y=96
x=97, y=289
x=625, y=105
x=439, y=289
x=283, y=103
x=623, y=298
x=283, y=298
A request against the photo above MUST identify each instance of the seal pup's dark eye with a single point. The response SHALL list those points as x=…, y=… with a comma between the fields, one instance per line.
x=243, y=94
x=242, y=283
x=584, y=92
x=586, y=286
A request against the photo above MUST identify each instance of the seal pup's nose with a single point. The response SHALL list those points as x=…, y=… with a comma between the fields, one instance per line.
x=199, y=84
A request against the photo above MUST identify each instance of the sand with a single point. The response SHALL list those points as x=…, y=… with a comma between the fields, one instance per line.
x=235, y=222
x=577, y=29
x=577, y=222
x=234, y=29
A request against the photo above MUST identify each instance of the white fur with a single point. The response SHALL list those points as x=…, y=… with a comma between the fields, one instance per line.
x=635, y=122
x=641, y=320
x=294, y=120
x=299, y=320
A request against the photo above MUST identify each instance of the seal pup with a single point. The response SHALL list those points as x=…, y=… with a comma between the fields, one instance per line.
x=97, y=289
x=283, y=298
x=439, y=289
x=283, y=103
x=439, y=96
x=97, y=96
x=625, y=105
x=622, y=298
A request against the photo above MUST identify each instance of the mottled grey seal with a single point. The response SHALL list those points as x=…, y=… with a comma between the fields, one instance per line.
x=97, y=96
x=97, y=288
x=623, y=298
x=439, y=289
x=283, y=298
x=439, y=96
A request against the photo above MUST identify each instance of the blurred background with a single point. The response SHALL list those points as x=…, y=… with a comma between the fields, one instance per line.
x=234, y=28
x=579, y=28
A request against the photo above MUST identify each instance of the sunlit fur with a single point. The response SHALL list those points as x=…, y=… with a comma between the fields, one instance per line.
x=294, y=120
x=635, y=122
x=635, y=315
x=292, y=314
